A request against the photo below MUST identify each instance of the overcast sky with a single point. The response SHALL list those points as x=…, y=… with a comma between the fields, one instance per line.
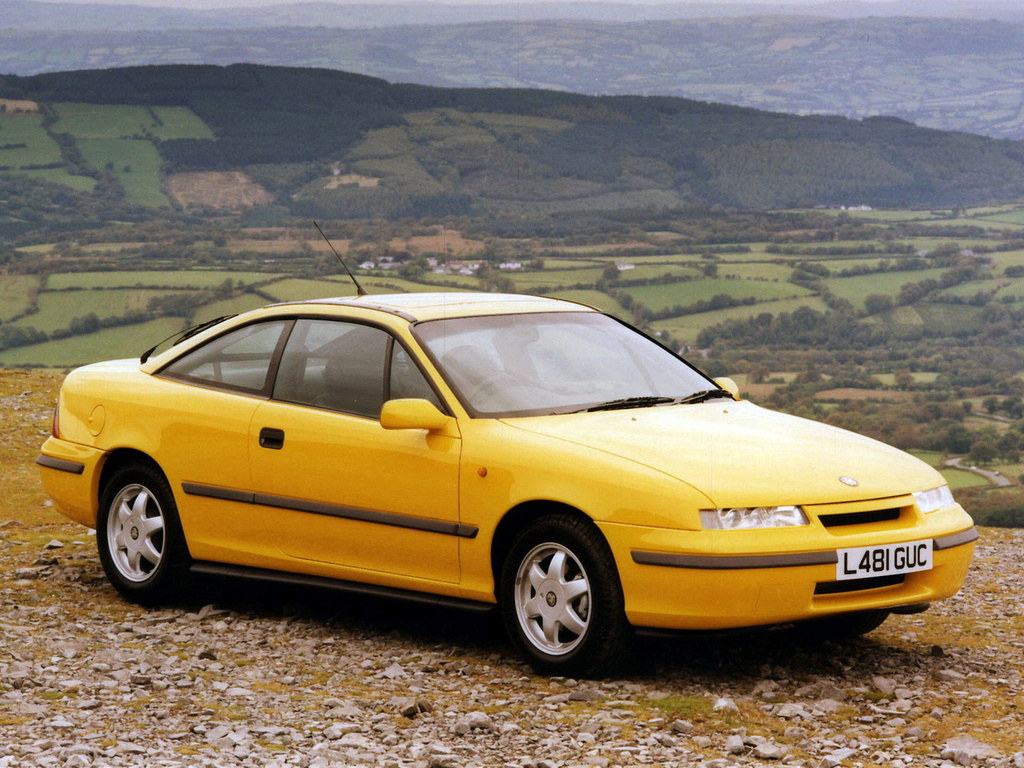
x=252, y=3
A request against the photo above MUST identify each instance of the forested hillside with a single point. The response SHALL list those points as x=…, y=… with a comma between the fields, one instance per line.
x=325, y=143
x=947, y=73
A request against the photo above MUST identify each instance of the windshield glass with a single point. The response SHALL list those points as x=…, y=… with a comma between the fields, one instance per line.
x=525, y=365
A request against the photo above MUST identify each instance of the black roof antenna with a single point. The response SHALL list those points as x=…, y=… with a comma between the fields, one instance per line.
x=359, y=289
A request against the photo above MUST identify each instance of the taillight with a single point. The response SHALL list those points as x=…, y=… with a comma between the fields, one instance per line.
x=55, y=428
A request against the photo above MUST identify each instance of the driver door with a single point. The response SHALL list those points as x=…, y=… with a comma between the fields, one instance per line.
x=337, y=488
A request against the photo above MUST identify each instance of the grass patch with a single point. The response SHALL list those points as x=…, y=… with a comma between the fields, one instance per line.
x=192, y=278
x=686, y=327
x=602, y=301
x=16, y=295
x=107, y=344
x=58, y=309
x=685, y=706
x=931, y=458
x=234, y=306
x=687, y=293
x=135, y=162
x=552, y=278
x=857, y=289
x=961, y=478
x=179, y=123
x=39, y=148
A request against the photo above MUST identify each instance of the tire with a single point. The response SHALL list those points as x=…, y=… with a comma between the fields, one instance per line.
x=561, y=600
x=845, y=626
x=138, y=534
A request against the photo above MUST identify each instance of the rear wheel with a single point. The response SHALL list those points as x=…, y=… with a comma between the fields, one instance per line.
x=561, y=600
x=139, y=537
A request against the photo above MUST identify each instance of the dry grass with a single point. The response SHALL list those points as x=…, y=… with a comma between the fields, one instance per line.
x=224, y=191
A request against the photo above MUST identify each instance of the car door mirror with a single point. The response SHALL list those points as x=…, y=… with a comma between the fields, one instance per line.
x=728, y=385
x=412, y=413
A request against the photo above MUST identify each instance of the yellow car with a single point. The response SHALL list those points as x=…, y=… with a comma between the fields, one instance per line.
x=481, y=449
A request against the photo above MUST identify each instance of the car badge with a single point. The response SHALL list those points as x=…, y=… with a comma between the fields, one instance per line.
x=845, y=480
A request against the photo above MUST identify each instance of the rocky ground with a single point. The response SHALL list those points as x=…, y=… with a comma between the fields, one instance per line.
x=246, y=676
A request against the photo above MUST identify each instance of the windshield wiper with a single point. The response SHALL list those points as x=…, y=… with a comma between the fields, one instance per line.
x=629, y=402
x=704, y=394
x=646, y=401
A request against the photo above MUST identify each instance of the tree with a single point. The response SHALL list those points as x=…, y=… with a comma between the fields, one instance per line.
x=904, y=379
x=983, y=452
x=876, y=303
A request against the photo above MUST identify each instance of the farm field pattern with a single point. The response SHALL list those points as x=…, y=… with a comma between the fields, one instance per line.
x=676, y=294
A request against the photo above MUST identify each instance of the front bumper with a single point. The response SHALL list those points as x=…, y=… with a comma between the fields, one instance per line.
x=707, y=580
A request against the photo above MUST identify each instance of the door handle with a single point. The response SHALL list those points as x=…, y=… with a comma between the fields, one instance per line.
x=272, y=438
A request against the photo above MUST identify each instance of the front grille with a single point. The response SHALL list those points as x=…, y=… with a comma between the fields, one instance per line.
x=856, y=585
x=860, y=518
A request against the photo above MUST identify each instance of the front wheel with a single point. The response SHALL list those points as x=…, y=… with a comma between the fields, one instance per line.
x=561, y=600
x=139, y=537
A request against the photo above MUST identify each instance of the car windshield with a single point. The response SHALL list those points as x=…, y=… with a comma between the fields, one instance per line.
x=558, y=362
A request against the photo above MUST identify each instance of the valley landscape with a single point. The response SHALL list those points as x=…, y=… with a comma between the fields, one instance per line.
x=860, y=263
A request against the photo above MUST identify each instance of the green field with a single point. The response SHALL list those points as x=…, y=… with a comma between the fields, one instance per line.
x=973, y=287
x=16, y=294
x=951, y=318
x=551, y=278
x=299, y=289
x=193, y=278
x=686, y=327
x=179, y=123
x=757, y=271
x=58, y=309
x=39, y=148
x=664, y=296
x=234, y=306
x=931, y=458
x=108, y=344
x=961, y=478
x=135, y=162
x=597, y=299
x=856, y=289
x=109, y=121
x=654, y=271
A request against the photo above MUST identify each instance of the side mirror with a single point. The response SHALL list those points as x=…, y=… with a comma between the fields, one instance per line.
x=412, y=413
x=728, y=385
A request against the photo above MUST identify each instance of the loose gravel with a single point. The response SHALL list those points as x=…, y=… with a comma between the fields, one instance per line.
x=249, y=676
x=243, y=675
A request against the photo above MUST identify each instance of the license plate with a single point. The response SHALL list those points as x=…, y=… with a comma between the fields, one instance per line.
x=884, y=560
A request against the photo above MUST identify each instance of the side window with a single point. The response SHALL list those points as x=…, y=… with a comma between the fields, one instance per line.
x=407, y=380
x=239, y=360
x=334, y=365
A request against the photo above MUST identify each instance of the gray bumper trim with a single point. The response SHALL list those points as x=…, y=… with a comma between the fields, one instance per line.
x=74, y=467
x=736, y=562
x=332, y=510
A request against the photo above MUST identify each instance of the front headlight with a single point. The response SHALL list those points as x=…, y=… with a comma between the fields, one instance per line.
x=737, y=518
x=935, y=499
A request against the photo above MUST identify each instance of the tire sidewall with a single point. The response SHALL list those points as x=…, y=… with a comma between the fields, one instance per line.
x=164, y=581
x=599, y=648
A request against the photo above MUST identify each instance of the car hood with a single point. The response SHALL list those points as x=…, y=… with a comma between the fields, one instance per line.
x=739, y=454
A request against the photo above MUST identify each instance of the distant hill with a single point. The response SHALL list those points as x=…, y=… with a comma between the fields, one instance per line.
x=949, y=73
x=342, y=145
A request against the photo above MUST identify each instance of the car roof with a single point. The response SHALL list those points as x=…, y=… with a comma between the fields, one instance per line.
x=411, y=307
x=432, y=306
